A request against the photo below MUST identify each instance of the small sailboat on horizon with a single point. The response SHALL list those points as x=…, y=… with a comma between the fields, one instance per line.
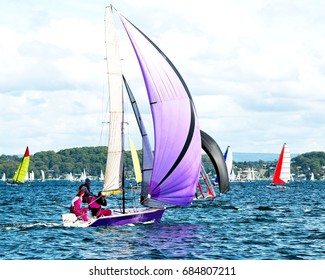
x=22, y=170
x=282, y=173
x=42, y=175
x=101, y=176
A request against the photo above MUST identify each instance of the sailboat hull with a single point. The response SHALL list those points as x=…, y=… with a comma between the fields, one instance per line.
x=131, y=216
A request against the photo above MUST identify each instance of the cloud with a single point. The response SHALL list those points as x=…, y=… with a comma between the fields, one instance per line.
x=255, y=70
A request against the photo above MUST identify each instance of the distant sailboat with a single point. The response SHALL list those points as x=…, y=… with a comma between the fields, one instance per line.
x=312, y=176
x=31, y=176
x=228, y=156
x=282, y=173
x=250, y=174
x=69, y=177
x=210, y=146
x=3, y=177
x=101, y=176
x=22, y=171
x=223, y=166
x=232, y=176
x=83, y=176
x=213, y=151
x=42, y=176
x=210, y=193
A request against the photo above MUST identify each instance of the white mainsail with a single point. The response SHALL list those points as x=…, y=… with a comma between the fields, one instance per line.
x=114, y=164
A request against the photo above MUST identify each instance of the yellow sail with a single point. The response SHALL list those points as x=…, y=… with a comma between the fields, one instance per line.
x=112, y=192
x=22, y=170
x=136, y=162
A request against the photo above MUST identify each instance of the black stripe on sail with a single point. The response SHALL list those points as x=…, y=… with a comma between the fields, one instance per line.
x=134, y=105
x=185, y=147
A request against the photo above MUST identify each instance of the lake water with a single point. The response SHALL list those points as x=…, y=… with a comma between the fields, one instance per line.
x=251, y=222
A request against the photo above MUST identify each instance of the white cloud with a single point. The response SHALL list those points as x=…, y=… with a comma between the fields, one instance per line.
x=255, y=70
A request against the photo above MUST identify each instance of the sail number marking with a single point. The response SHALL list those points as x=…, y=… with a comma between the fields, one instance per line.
x=210, y=270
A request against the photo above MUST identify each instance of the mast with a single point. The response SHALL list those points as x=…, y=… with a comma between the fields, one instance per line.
x=123, y=191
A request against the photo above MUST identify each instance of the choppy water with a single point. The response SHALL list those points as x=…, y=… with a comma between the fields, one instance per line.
x=249, y=222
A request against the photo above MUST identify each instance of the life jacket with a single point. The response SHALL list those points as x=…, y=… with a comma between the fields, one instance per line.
x=94, y=203
x=75, y=203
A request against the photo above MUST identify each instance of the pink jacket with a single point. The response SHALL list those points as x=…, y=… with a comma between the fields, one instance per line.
x=93, y=203
x=76, y=202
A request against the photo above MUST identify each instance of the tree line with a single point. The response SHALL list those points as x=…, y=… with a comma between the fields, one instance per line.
x=93, y=160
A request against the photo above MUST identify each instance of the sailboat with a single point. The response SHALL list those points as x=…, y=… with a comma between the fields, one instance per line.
x=22, y=170
x=312, y=176
x=83, y=176
x=210, y=194
x=250, y=174
x=213, y=151
x=282, y=172
x=136, y=162
x=228, y=157
x=31, y=176
x=3, y=178
x=229, y=160
x=175, y=165
x=42, y=175
x=101, y=176
x=69, y=177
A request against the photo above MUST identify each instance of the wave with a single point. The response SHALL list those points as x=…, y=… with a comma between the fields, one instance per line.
x=27, y=225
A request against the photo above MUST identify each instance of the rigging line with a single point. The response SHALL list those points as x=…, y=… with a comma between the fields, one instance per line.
x=104, y=109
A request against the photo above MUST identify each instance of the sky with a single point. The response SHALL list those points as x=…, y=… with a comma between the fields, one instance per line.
x=255, y=69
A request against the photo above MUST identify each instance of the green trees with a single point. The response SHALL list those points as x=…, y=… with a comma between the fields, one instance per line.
x=75, y=160
x=309, y=162
x=93, y=160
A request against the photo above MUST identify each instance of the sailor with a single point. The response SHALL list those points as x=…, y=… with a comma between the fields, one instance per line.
x=76, y=208
x=96, y=203
x=86, y=188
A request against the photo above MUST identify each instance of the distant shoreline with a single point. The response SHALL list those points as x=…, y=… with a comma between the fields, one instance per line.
x=242, y=157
